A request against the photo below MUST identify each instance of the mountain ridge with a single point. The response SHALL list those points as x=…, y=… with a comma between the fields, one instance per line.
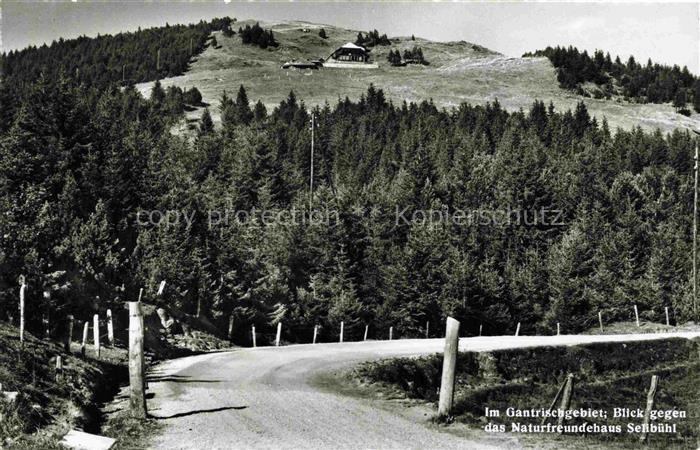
x=459, y=71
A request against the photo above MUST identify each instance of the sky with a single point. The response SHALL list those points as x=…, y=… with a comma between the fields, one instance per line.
x=666, y=33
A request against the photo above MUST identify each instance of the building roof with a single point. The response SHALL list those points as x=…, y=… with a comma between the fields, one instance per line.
x=353, y=46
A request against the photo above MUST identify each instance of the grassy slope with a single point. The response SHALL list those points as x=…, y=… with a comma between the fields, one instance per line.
x=644, y=327
x=49, y=404
x=607, y=376
x=459, y=71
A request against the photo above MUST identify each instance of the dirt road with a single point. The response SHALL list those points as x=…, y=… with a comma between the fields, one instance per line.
x=261, y=398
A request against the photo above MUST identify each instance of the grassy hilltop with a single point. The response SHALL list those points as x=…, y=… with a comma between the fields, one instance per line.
x=458, y=72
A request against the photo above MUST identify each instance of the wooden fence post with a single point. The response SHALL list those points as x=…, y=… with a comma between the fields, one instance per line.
x=47, y=328
x=96, y=333
x=480, y=329
x=391, y=333
x=86, y=327
x=566, y=397
x=342, y=330
x=230, y=327
x=600, y=320
x=22, y=295
x=366, y=331
x=253, y=333
x=315, y=333
x=137, y=383
x=449, y=364
x=636, y=315
x=668, y=322
x=651, y=395
x=59, y=367
x=69, y=338
x=279, y=334
x=517, y=330
x=110, y=328
x=556, y=399
x=558, y=329
x=427, y=329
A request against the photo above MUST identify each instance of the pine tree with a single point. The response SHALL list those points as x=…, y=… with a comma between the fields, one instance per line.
x=394, y=57
x=192, y=97
x=259, y=112
x=243, y=114
x=157, y=93
x=206, y=124
x=679, y=101
x=696, y=95
x=227, y=110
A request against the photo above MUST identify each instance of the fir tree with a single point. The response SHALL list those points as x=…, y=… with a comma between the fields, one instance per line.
x=696, y=95
x=206, y=124
x=243, y=114
x=259, y=112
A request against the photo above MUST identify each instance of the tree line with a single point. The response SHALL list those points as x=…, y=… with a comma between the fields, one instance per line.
x=371, y=39
x=125, y=58
x=410, y=56
x=652, y=82
x=257, y=35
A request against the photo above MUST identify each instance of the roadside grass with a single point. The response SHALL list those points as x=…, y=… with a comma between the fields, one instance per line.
x=49, y=403
x=458, y=72
x=610, y=375
x=129, y=432
x=644, y=327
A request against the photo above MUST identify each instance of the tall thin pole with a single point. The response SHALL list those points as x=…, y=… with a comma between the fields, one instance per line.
x=22, y=295
x=311, y=181
x=695, y=234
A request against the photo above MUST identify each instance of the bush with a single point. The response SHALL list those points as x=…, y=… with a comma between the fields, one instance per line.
x=256, y=35
x=372, y=39
x=192, y=97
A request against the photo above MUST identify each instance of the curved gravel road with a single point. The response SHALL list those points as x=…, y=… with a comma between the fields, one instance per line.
x=261, y=398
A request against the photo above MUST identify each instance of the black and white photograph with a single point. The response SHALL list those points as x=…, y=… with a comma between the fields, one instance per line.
x=371, y=225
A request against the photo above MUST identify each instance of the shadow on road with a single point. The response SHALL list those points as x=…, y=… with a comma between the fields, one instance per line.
x=198, y=411
x=177, y=379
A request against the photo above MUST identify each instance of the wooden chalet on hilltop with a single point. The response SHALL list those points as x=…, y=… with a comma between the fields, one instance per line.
x=350, y=53
x=349, y=56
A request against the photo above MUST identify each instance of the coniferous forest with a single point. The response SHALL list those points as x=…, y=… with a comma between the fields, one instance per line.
x=555, y=217
x=124, y=59
x=653, y=83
